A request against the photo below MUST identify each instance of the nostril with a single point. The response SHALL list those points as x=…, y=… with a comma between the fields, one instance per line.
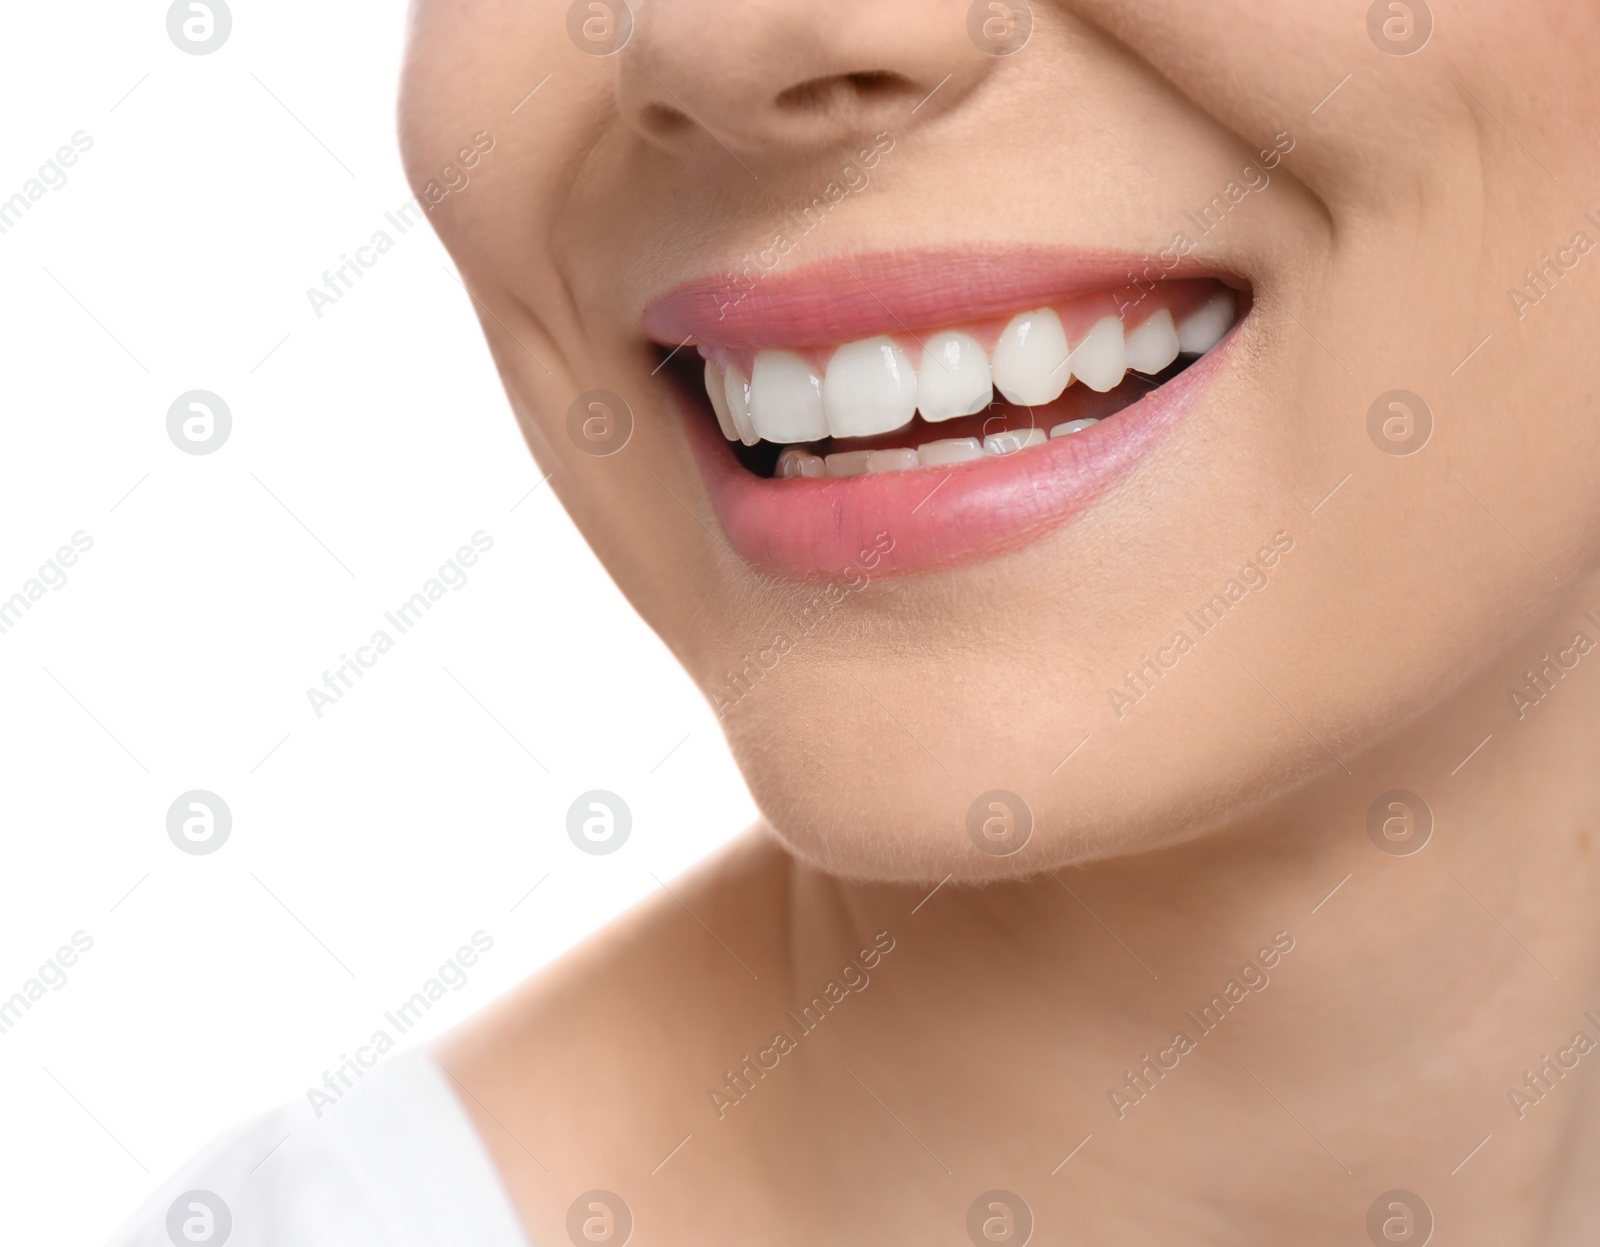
x=824, y=94
x=879, y=82
x=659, y=121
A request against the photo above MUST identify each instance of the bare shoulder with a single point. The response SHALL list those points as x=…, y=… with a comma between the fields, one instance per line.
x=598, y=1065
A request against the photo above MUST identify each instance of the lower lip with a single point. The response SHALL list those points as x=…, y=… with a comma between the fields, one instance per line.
x=930, y=518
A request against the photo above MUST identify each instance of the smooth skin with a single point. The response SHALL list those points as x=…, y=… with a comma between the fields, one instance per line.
x=1230, y=803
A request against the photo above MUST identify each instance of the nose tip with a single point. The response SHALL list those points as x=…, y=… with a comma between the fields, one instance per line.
x=765, y=74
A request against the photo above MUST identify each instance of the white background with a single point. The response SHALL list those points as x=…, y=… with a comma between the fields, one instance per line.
x=366, y=447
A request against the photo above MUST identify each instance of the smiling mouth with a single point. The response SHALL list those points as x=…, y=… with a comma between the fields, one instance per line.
x=947, y=404
x=963, y=393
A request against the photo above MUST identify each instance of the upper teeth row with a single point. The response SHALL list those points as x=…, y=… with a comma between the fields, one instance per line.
x=871, y=386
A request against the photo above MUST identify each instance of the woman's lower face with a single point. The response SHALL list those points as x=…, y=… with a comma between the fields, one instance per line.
x=1043, y=433
x=1144, y=436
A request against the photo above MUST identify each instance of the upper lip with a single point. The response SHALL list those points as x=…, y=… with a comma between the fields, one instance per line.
x=842, y=298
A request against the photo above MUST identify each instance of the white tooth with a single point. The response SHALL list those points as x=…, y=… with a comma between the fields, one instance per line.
x=786, y=398
x=870, y=388
x=1030, y=360
x=1153, y=345
x=1072, y=426
x=717, y=391
x=896, y=460
x=736, y=391
x=847, y=462
x=1099, y=360
x=950, y=450
x=1203, y=328
x=792, y=461
x=953, y=378
x=1012, y=440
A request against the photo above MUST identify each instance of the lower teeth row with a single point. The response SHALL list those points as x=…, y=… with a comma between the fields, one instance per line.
x=794, y=461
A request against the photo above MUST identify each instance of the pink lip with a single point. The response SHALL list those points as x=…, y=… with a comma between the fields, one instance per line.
x=842, y=299
x=927, y=518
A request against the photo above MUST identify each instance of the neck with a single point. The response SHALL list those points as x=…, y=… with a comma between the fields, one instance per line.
x=1265, y=1029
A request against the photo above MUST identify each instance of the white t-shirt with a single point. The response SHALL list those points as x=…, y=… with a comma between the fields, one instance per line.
x=396, y=1162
